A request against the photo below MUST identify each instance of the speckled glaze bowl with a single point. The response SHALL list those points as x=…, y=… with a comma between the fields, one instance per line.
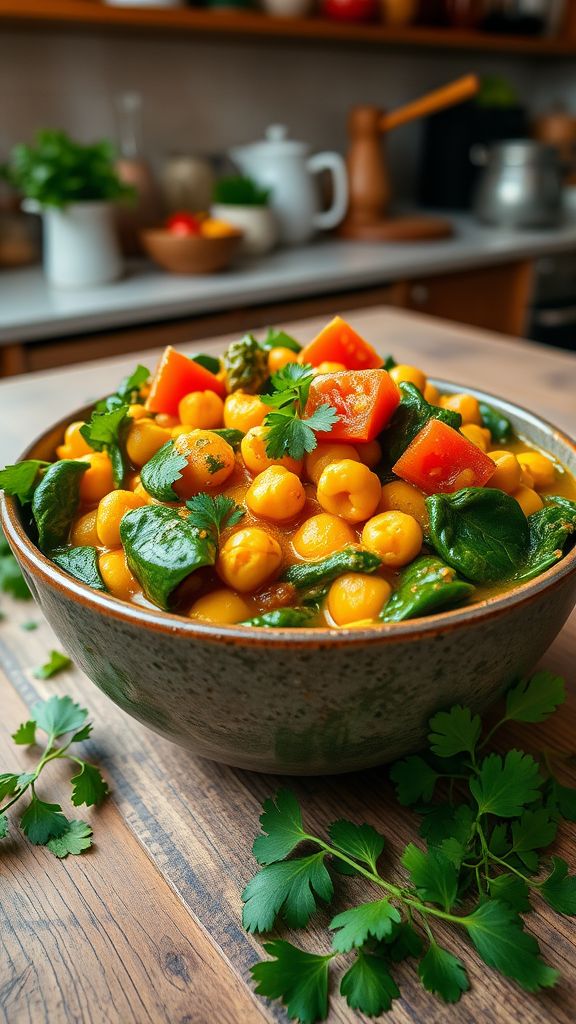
x=300, y=701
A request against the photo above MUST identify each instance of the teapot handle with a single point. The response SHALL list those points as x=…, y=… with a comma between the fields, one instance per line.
x=334, y=163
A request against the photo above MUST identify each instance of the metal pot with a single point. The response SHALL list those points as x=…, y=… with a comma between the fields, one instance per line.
x=520, y=186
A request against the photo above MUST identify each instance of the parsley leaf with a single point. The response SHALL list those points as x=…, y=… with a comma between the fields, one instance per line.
x=161, y=471
x=454, y=732
x=559, y=889
x=128, y=392
x=405, y=942
x=512, y=890
x=434, y=876
x=565, y=799
x=443, y=974
x=535, y=699
x=214, y=513
x=291, y=386
x=368, y=985
x=497, y=932
x=505, y=787
x=282, y=820
x=8, y=784
x=76, y=838
x=56, y=663
x=25, y=734
x=288, y=432
x=42, y=821
x=532, y=831
x=353, y=927
x=298, y=978
x=20, y=479
x=362, y=842
x=107, y=431
x=287, y=888
x=59, y=715
x=88, y=786
x=414, y=780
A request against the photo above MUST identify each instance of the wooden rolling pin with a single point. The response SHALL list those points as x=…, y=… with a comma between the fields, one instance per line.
x=448, y=96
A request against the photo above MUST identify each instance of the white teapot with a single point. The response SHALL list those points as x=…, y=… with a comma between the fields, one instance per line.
x=285, y=167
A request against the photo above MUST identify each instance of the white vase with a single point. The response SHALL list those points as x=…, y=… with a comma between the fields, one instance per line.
x=81, y=247
x=258, y=223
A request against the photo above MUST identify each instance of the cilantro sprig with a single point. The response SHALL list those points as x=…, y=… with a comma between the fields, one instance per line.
x=42, y=822
x=486, y=818
x=289, y=432
x=214, y=513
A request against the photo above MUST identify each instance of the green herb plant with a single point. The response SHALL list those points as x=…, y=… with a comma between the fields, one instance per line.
x=485, y=819
x=64, y=724
x=289, y=431
x=240, y=191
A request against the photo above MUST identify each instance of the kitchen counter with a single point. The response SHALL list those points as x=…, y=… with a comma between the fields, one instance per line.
x=30, y=310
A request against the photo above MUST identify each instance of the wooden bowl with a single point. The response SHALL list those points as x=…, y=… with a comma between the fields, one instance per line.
x=190, y=254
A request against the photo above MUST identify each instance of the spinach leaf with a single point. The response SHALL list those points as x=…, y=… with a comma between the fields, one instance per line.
x=82, y=564
x=411, y=415
x=20, y=480
x=480, y=531
x=313, y=574
x=210, y=363
x=162, y=549
x=282, y=617
x=426, y=586
x=498, y=424
x=106, y=432
x=161, y=471
x=276, y=338
x=55, y=502
x=550, y=528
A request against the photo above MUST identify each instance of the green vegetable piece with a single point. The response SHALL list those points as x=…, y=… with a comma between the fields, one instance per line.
x=310, y=574
x=55, y=502
x=367, y=920
x=481, y=532
x=433, y=874
x=535, y=699
x=287, y=889
x=282, y=821
x=550, y=528
x=559, y=889
x=161, y=471
x=414, y=780
x=298, y=978
x=505, y=787
x=496, y=422
x=106, y=432
x=246, y=365
x=20, y=479
x=81, y=563
x=76, y=839
x=210, y=363
x=443, y=974
x=411, y=415
x=276, y=338
x=282, y=618
x=162, y=549
x=454, y=732
x=42, y=821
x=368, y=985
x=88, y=786
x=231, y=436
x=497, y=932
x=56, y=663
x=426, y=586
x=11, y=579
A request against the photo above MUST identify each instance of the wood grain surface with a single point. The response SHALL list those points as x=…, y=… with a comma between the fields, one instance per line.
x=146, y=926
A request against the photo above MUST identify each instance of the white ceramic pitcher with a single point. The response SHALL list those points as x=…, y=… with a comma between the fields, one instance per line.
x=285, y=167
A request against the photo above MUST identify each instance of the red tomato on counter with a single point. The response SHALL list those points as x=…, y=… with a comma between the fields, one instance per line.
x=176, y=376
x=350, y=10
x=440, y=460
x=339, y=343
x=363, y=399
x=184, y=223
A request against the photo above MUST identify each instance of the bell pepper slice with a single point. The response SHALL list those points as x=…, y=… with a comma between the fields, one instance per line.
x=363, y=399
x=440, y=460
x=339, y=343
x=176, y=376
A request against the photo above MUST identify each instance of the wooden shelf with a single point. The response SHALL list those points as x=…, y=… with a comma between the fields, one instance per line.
x=90, y=14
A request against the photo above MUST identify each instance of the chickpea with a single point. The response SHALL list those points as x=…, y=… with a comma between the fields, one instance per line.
x=526, y=477
x=355, y=597
x=370, y=453
x=279, y=357
x=431, y=394
x=222, y=606
x=395, y=536
x=479, y=436
x=540, y=468
x=507, y=475
x=253, y=449
x=399, y=496
x=323, y=455
x=83, y=532
x=329, y=367
x=528, y=500
x=141, y=492
x=404, y=374
x=210, y=461
x=98, y=478
x=350, y=490
x=109, y=516
x=165, y=420
x=144, y=439
x=321, y=535
x=248, y=559
x=116, y=575
x=74, y=445
x=137, y=411
x=201, y=409
x=466, y=405
x=241, y=412
x=276, y=494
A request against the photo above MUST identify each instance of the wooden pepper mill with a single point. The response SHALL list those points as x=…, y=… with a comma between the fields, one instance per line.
x=368, y=178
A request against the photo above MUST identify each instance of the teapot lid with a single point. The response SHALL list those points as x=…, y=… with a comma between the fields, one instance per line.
x=275, y=143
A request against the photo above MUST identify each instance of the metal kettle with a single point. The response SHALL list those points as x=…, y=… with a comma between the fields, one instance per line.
x=520, y=185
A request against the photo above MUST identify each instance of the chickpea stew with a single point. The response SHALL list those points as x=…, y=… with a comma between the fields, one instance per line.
x=281, y=486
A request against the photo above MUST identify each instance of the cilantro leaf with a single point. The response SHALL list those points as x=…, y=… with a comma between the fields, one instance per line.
x=434, y=876
x=3, y=826
x=565, y=799
x=20, y=479
x=83, y=733
x=559, y=889
x=414, y=780
x=454, y=732
x=8, y=784
x=127, y=392
x=443, y=974
x=290, y=386
x=362, y=842
x=535, y=699
x=497, y=932
x=287, y=888
x=107, y=431
x=76, y=838
x=214, y=513
x=276, y=338
x=368, y=985
x=505, y=787
x=532, y=831
x=29, y=626
x=288, y=432
x=353, y=927
x=161, y=471
x=512, y=890
x=405, y=942
x=282, y=820
x=298, y=978
x=59, y=715
x=88, y=786
x=56, y=663
x=42, y=821
x=25, y=734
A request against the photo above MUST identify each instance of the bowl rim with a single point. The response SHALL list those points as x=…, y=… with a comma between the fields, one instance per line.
x=164, y=233
x=161, y=621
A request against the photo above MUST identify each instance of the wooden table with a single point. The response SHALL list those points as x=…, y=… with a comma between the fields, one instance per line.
x=145, y=928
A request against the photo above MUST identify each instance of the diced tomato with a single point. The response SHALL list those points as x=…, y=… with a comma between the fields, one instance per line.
x=184, y=223
x=176, y=376
x=440, y=460
x=363, y=399
x=339, y=343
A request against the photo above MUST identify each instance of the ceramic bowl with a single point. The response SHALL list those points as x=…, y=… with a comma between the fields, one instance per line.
x=184, y=254
x=300, y=701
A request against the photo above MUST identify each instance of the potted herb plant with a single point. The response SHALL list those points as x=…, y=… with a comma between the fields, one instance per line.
x=74, y=187
x=243, y=203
